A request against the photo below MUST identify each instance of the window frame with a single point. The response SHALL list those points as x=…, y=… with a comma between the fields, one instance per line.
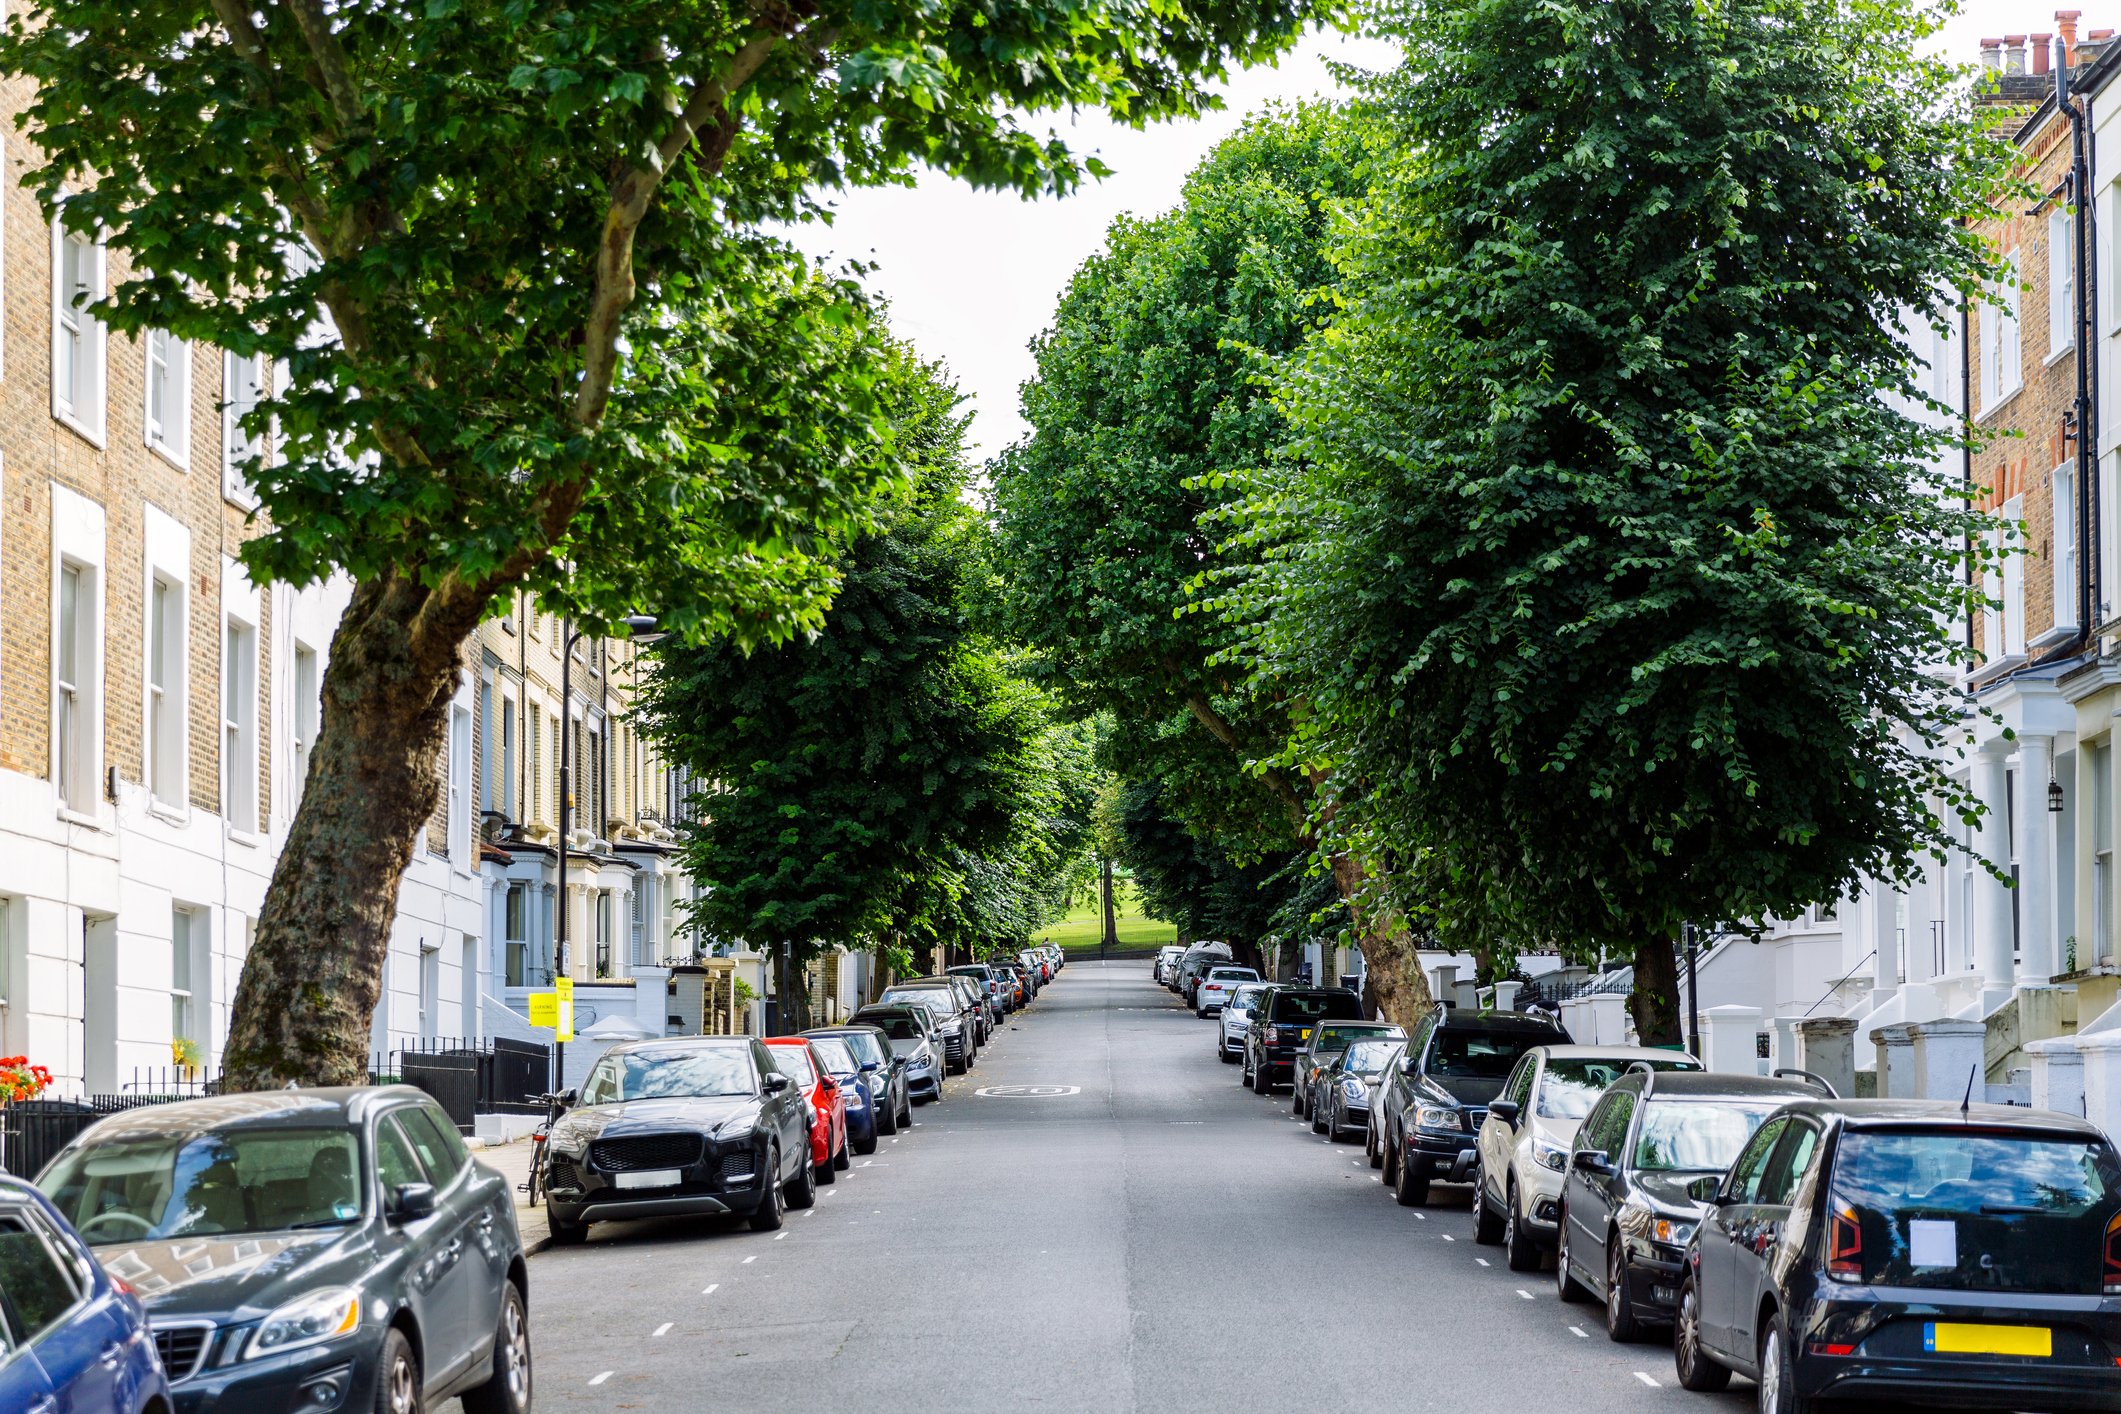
x=167, y=430
x=246, y=381
x=83, y=407
x=240, y=647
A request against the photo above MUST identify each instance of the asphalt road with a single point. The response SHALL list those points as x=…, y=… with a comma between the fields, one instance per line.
x=1157, y=1238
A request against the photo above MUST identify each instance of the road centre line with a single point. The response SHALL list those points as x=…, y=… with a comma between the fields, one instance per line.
x=599, y=1379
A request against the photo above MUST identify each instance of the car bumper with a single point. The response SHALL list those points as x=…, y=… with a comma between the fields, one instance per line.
x=278, y=1382
x=1654, y=1278
x=676, y=1205
x=1890, y=1362
x=1959, y=1383
x=1539, y=1199
x=1447, y=1156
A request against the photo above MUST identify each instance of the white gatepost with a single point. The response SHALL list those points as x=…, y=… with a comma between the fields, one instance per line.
x=2058, y=1075
x=1896, y=1061
x=1730, y=1038
x=1609, y=1019
x=1826, y=1046
x=1948, y=1060
x=2102, y=1079
x=1506, y=995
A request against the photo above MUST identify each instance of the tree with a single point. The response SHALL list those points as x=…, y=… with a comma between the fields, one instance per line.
x=1614, y=575
x=876, y=779
x=559, y=356
x=1154, y=391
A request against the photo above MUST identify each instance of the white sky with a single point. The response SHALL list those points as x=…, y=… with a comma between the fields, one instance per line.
x=972, y=276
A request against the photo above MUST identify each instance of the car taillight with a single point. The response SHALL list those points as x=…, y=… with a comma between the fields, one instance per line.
x=1818, y=1349
x=2112, y=1275
x=1844, y=1246
x=1271, y=1036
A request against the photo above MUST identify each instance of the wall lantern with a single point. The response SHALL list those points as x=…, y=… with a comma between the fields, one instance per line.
x=2054, y=793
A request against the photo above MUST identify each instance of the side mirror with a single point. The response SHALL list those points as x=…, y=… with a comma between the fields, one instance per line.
x=1703, y=1189
x=869, y=1066
x=1592, y=1161
x=412, y=1201
x=1504, y=1110
x=570, y=1097
x=773, y=1084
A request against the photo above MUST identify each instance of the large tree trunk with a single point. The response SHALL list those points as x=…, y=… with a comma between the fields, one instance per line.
x=1394, y=985
x=308, y=992
x=1656, y=999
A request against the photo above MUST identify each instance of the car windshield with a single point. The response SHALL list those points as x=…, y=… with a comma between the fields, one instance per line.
x=1571, y=1085
x=865, y=1047
x=1370, y=1057
x=1698, y=1135
x=2018, y=1212
x=1300, y=1007
x=795, y=1061
x=1330, y=1038
x=895, y=1025
x=1233, y=974
x=834, y=1053
x=943, y=1004
x=669, y=1074
x=1469, y=1053
x=196, y=1185
x=1243, y=997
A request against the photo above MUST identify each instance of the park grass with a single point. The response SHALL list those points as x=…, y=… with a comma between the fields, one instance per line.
x=1083, y=928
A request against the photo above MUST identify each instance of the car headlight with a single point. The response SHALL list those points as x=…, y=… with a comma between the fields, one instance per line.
x=1550, y=1156
x=952, y=1027
x=321, y=1315
x=1672, y=1232
x=1353, y=1088
x=1435, y=1117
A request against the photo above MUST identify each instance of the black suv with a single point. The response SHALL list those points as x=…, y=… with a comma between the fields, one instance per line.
x=1426, y=1120
x=1281, y=1025
x=1866, y=1250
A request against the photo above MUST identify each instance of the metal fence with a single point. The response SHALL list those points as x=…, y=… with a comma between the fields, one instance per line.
x=467, y=1078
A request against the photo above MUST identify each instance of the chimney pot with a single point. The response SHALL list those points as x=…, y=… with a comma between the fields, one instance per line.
x=2042, y=43
x=2014, y=53
x=2100, y=36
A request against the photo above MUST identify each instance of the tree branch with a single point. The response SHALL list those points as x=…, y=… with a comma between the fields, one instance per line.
x=330, y=59
x=1299, y=814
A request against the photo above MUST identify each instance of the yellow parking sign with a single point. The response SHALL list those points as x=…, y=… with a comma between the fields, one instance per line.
x=555, y=1008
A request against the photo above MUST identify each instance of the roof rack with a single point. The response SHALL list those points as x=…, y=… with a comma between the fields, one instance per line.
x=1648, y=1073
x=1819, y=1080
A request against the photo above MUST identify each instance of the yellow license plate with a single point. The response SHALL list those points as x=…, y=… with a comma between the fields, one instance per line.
x=1948, y=1338
x=1304, y=1035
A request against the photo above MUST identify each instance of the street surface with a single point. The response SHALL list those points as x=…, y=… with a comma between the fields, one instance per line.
x=1156, y=1239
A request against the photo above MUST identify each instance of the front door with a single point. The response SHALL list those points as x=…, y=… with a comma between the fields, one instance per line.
x=1723, y=1229
x=415, y=1245
x=470, y=1264
x=1593, y=1196
x=1756, y=1229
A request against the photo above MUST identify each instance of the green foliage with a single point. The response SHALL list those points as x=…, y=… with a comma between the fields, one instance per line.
x=1152, y=388
x=563, y=355
x=1198, y=887
x=886, y=776
x=1612, y=569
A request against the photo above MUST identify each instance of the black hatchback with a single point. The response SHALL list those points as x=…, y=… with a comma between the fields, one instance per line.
x=298, y=1250
x=1890, y=1250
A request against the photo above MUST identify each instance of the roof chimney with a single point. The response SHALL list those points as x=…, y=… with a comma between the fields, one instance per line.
x=2042, y=43
x=2066, y=25
x=2014, y=53
x=1991, y=55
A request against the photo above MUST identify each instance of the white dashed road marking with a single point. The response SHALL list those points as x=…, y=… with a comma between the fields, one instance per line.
x=664, y=1329
x=1579, y=1332
x=710, y=1288
x=1525, y=1294
x=1647, y=1380
x=599, y=1379
x=749, y=1260
x=778, y=1236
x=1482, y=1260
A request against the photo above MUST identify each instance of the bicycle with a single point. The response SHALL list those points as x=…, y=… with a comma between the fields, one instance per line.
x=555, y=1106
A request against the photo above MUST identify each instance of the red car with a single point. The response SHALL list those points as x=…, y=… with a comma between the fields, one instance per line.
x=828, y=1104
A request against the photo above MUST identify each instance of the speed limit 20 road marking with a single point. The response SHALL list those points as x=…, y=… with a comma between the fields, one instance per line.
x=1027, y=1092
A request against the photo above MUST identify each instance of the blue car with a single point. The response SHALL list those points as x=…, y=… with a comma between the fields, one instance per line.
x=71, y=1338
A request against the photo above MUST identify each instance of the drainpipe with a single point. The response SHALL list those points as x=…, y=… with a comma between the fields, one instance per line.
x=1966, y=460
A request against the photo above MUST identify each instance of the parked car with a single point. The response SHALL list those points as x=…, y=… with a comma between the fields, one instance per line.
x=913, y=1036
x=1904, y=1250
x=1328, y=1040
x=1627, y=1215
x=882, y=1073
x=1167, y=957
x=990, y=988
x=1347, y=1087
x=960, y=1035
x=1530, y=1132
x=793, y=1057
x=1012, y=984
x=1215, y=988
x=1196, y=962
x=863, y=1121
x=1431, y=1106
x=1281, y=1023
x=1235, y=1017
x=320, y=1249
x=71, y=1337
x=1058, y=954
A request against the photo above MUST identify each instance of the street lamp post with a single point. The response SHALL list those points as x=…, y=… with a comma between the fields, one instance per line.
x=1693, y=991
x=641, y=627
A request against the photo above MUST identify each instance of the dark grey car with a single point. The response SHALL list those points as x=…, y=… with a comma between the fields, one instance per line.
x=308, y=1249
x=883, y=1072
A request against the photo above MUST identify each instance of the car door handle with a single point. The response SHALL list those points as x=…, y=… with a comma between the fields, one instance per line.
x=46, y=1405
x=112, y=1354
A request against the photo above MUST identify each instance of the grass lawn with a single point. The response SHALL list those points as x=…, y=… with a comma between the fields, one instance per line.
x=1083, y=928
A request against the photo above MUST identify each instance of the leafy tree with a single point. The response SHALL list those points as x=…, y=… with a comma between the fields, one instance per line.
x=560, y=358
x=1154, y=388
x=1613, y=573
x=884, y=778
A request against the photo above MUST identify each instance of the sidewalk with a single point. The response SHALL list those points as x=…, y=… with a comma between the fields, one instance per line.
x=512, y=1162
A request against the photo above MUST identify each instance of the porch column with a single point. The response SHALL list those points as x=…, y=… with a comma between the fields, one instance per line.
x=2036, y=862
x=1992, y=943
x=1948, y=1055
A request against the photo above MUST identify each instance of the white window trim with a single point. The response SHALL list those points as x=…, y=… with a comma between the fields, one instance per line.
x=2062, y=555
x=2013, y=577
x=167, y=558
x=236, y=444
x=241, y=606
x=461, y=788
x=78, y=540
x=169, y=437
x=89, y=422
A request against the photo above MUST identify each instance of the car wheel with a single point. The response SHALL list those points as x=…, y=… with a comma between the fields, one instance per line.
x=801, y=1191
x=1519, y=1252
x=905, y=1110
x=767, y=1215
x=1390, y=1177
x=867, y=1143
x=886, y=1118
x=397, y=1376
x=1222, y=1052
x=1778, y=1373
x=1262, y=1081
x=1696, y=1369
x=1487, y=1227
x=1566, y=1286
x=1412, y=1189
x=1620, y=1322
x=508, y=1391
x=1296, y=1098
x=825, y=1172
x=563, y=1234
x=1319, y=1116
x=843, y=1160
x=1244, y=1077
x=1370, y=1148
